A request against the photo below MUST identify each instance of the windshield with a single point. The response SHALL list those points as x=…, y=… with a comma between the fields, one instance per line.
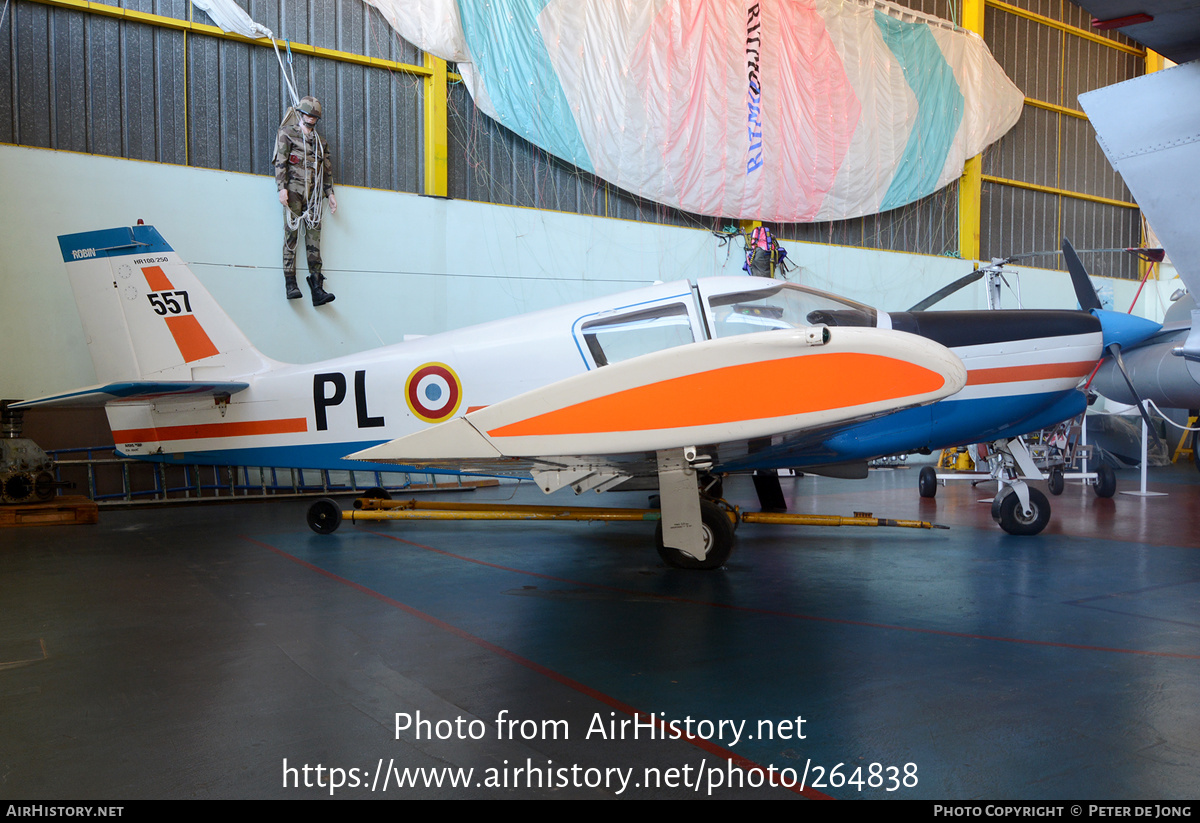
x=787, y=306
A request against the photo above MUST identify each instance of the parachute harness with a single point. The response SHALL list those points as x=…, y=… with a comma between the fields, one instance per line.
x=311, y=214
x=765, y=256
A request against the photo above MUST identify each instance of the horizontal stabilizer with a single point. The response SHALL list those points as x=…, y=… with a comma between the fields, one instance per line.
x=135, y=390
x=730, y=389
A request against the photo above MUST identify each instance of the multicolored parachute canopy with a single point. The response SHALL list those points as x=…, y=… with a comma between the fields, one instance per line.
x=777, y=110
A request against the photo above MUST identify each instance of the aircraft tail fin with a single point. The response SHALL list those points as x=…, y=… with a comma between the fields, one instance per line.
x=146, y=315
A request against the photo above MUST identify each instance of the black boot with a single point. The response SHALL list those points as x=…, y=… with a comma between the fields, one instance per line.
x=319, y=296
x=293, y=291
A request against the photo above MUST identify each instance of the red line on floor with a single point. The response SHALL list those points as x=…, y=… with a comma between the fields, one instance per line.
x=611, y=702
x=838, y=620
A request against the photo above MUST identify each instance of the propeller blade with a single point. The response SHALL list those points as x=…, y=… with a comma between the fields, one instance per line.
x=1085, y=293
x=946, y=291
x=1114, y=351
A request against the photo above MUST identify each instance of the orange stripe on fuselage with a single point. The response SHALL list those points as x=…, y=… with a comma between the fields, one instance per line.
x=203, y=431
x=750, y=391
x=190, y=337
x=1013, y=374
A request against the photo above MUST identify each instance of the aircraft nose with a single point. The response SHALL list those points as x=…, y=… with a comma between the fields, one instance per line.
x=1124, y=329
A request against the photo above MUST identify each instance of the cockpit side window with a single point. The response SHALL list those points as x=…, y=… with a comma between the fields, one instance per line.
x=630, y=334
x=786, y=307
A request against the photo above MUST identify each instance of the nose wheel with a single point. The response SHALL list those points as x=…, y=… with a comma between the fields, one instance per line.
x=1013, y=517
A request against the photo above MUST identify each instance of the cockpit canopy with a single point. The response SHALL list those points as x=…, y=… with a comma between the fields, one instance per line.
x=730, y=306
x=782, y=306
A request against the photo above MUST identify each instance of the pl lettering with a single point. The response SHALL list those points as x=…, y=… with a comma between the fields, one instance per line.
x=329, y=389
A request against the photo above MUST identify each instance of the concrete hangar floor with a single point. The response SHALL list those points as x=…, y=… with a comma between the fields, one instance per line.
x=228, y=651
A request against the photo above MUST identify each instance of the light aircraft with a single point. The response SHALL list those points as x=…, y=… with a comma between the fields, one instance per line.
x=667, y=386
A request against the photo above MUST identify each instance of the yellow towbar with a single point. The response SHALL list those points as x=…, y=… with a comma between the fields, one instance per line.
x=326, y=515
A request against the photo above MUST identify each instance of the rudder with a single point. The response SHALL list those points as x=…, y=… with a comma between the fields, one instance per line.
x=146, y=315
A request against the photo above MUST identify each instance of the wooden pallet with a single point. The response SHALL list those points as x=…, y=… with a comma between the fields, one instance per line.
x=60, y=511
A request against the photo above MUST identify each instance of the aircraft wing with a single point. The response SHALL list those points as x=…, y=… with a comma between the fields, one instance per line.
x=729, y=390
x=133, y=391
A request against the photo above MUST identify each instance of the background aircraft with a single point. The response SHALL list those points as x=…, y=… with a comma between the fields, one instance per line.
x=1148, y=128
x=666, y=386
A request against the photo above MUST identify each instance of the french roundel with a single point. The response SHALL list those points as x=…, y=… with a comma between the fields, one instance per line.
x=433, y=392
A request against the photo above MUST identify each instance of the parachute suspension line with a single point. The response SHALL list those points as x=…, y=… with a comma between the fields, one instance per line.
x=289, y=74
x=313, y=201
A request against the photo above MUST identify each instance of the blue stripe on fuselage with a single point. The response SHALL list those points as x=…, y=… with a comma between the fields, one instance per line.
x=956, y=423
x=318, y=456
x=938, y=426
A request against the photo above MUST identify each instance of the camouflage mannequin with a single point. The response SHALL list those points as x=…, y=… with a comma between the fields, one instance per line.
x=304, y=177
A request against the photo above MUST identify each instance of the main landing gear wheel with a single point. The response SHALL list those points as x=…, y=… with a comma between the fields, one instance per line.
x=1007, y=512
x=927, y=481
x=324, y=516
x=718, y=541
x=1106, y=481
x=1055, y=483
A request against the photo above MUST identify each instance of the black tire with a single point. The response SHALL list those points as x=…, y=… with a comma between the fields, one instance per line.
x=718, y=539
x=324, y=516
x=1055, y=483
x=1106, y=481
x=1007, y=512
x=927, y=482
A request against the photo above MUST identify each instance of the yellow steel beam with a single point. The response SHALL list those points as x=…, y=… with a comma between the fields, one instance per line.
x=1054, y=107
x=1064, y=27
x=970, y=185
x=1094, y=198
x=970, y=208
x=437, y=152
x=213, y=31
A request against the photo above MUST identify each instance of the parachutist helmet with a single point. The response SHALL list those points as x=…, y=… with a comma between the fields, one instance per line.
x=311, y=106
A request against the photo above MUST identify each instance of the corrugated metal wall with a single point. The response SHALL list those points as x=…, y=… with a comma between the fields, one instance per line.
x=1056, y=149
x=83, y=82
x=491, y=164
